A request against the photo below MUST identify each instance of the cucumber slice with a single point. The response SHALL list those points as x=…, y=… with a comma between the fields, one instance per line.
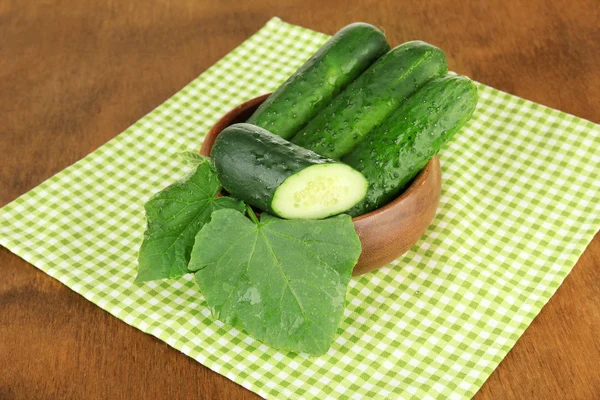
x=319, y=191
x=277, y=176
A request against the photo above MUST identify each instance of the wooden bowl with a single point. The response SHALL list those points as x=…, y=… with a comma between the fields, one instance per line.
x=385, y=233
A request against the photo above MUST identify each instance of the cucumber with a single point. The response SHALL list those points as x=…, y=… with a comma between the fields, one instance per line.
x=393, y=153
x=371, y=98
x=337, y=63
x=270, y=173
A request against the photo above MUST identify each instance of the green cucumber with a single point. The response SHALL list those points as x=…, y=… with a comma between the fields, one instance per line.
x=371, y=98
x=337, y=63
x=393, y=153
x=277, y=176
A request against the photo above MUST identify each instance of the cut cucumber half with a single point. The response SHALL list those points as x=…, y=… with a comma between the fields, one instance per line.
x=319, y=191
x=274, y=175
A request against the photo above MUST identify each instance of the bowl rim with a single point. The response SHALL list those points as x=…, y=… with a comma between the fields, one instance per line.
x=221, y=124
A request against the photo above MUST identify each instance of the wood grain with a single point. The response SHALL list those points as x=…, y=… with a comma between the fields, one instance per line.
x=75, y=73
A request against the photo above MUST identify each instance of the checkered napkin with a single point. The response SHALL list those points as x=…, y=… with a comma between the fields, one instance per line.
x=520, y=202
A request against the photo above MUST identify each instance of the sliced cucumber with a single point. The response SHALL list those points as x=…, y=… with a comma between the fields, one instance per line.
x=319, y=191
x=279, y=177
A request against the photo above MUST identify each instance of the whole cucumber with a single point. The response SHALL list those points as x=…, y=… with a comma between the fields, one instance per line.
x=394, y=153
x=337, y=63
x=371, y=98
x=277, y=176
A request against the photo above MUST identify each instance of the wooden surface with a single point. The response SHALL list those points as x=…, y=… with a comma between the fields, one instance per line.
x=73, y=74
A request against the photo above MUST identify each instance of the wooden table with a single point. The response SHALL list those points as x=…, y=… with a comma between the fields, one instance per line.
x=75, y=73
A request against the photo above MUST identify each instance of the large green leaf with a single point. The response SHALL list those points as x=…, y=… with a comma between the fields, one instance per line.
x=174, y=217
x=282, y=281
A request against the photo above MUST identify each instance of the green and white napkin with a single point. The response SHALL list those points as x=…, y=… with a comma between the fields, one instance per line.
x=520, y=203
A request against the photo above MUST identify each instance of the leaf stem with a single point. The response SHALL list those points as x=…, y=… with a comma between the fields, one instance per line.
x=251, y=214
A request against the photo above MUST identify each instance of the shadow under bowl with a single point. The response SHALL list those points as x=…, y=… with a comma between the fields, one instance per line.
x=385, y=233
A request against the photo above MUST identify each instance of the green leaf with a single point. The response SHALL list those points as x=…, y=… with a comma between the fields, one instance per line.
x=174, y=217
x=191, y=158
x=282, y=281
